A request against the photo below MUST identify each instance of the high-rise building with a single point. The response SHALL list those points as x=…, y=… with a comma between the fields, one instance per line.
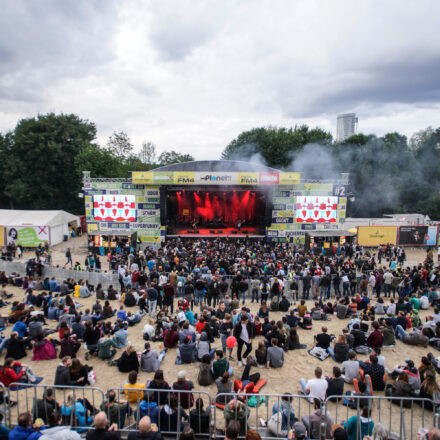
x=346, y=126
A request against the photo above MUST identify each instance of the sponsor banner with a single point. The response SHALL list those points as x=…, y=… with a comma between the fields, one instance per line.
x=152, y=200
x=148, y=206
x=294, y=233
x=131, y=192
x=248, y=178
x=289, y=178
x=149, y=212
x=282, y=213
x=272, y=233
x=152, y=193
x=145, y=177
x=308, y=227
x=148, y=219
x=269, y=178
x=284, y=194
x=373, y=236
x=184, y=178
x=415, y=236
x=117, y=225
x=28, y=236
x=95, y=192
x=150, y=239
x=2, y=236
x=279, y=207
x=278, y=227
x=88, y=199
x=163, y=177
x=107, y=185
x=92, y=227
x=282, y=220
x=146, y=225
x=327, y=226
x=431, y=236
x=132, y=186
x=207, y=178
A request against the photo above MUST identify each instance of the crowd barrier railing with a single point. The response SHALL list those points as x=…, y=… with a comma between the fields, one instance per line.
x=258, y=415
x=30, y=398
x=148, y=402
x=5, y=405
x=402, y=416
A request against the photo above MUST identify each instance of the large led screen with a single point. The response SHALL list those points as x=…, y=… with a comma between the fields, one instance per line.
x=114, y=208
x=316, y=209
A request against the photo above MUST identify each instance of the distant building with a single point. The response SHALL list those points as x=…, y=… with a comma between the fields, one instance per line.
x=346, y=126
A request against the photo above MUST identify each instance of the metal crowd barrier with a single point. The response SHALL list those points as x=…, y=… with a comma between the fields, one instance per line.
x=5, y=412
x=403, y=416
x=27, y=397
x=263, y=410
x=152, y=402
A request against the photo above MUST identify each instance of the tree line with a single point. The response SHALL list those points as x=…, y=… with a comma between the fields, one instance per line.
x=42, y=159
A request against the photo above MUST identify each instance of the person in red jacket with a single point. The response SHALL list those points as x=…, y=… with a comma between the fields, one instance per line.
x=375, y=339
x=170, y=337
x=8, y=374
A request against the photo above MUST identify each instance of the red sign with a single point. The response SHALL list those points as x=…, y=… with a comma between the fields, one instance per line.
x=269, y=178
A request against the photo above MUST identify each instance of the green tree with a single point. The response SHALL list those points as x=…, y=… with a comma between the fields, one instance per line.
x=278, y=147
x=40, y=171
x=119, y=144
x=100, y=162
x=170, y=157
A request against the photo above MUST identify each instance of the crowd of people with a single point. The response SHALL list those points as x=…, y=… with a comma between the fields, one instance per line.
x=195, y=298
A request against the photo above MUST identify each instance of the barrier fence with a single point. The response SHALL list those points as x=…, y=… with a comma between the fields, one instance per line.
x=272, y=415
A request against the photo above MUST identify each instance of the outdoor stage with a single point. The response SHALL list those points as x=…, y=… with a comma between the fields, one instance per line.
x=217, y=232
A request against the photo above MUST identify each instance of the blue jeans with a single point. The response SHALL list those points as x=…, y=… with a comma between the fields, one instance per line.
x=331, y=352
x=346, y=288
x=400, y=332
x=161, y=356
x=3, y=344
x=255, y=295
x=303, y=384
x=243, y=294
x=198, y=296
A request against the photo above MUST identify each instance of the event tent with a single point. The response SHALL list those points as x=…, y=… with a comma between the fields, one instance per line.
x=28, y=226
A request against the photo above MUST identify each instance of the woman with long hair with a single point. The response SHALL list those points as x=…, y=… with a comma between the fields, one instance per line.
x=429, y=389
x=158, y=383
x=128, y=361
x=79, y=373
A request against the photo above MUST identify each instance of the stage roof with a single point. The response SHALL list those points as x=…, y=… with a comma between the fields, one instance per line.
x=218, y=166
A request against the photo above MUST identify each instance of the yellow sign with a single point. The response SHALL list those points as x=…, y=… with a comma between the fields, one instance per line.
x=326, y=245
x=2, y=236
x=278, y=226
x=92, y=227
x=184, y=178
x=145, y=177
x=290, y=178
x=248, y=178
x=376, y=235
x=148, y=239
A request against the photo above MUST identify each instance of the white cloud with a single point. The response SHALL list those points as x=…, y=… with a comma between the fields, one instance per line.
x=191, y=75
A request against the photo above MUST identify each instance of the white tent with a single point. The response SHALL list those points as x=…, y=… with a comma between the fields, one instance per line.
x=55, y=223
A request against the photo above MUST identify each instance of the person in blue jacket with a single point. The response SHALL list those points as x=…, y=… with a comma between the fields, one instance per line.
x=24, y=430
x=365, y=427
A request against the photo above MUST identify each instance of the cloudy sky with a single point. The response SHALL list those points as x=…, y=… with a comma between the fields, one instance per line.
x=191, y=75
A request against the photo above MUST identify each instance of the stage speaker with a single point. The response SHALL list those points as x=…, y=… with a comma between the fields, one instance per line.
x=189, y=231
x=219, y=232
x=245, y=231
x=212, y=232
x=234, y=232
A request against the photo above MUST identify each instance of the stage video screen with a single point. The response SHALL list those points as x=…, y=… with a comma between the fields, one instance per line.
x=114, y=208
x=316, y=209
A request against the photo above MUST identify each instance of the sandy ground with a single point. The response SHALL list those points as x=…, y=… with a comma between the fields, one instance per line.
x=297, y=363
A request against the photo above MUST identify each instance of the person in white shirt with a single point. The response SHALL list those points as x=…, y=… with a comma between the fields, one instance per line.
x=424, y=302
x=315, y=388
x=371, y=283
x=391, y=309
x=148, y=331
x=387, y=280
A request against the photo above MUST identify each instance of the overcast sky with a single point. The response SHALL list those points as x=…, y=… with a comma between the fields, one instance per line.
x=191, y=75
